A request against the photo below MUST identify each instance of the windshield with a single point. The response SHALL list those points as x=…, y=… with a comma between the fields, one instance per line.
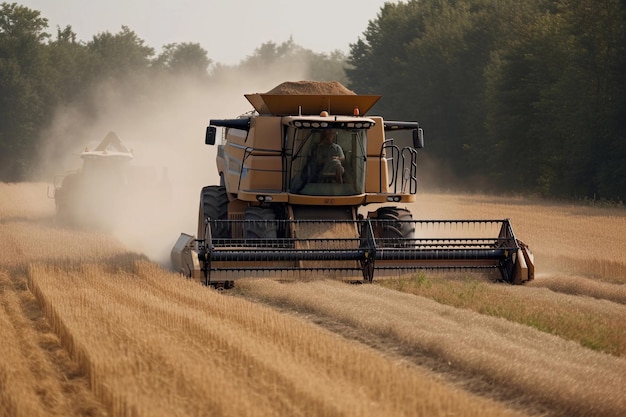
x=328, y=161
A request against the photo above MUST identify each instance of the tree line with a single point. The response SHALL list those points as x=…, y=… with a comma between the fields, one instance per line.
x=524, y=97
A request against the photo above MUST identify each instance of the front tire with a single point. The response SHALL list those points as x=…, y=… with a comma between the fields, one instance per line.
x=394, y=226
x=213, y=206
x=260, y=223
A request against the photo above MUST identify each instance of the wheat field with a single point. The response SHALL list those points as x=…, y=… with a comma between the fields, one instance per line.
x=93, y=328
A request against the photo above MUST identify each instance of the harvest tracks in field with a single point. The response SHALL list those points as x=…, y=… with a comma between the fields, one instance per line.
x=510, y=361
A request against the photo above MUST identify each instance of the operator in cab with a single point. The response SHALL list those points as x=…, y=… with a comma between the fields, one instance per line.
x=328, y=158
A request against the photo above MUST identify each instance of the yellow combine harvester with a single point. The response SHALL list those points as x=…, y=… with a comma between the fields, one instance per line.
x=293, y=175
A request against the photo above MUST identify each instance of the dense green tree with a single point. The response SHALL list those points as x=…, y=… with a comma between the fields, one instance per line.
x=378, y=60
x=69, y=62
x=118, y=70
x=120, y=56
x=555, y=104
x=444, y=82
x=528, y=96
x=519, y=86
x=428, y=60
x=327, y=67
x=290, y=58
x=22, y=80
x=598, y=29
x=184, y=58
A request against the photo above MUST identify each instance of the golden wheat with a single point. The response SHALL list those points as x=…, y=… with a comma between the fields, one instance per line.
x=152, y=343
x=26, y=201
x=156, y=344
x=591, y=322
x=577, y=285
x=550, y=370
x=17, y=397
x=30, y=358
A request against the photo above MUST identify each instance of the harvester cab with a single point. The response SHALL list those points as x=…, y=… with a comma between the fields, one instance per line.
x=294, y=176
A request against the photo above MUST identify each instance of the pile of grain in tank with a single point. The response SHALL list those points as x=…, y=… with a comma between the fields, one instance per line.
x=311, y=88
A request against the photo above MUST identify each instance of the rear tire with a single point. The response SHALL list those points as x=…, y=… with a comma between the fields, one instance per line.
x=214, y=206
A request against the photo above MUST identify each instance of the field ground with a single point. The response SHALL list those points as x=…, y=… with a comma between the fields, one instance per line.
x=93, y=328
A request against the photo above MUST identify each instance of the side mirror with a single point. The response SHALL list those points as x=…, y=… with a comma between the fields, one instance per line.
x=211, y=133
x=418, y=138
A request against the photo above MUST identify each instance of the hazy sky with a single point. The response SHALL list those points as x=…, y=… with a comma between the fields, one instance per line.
x=229, y=30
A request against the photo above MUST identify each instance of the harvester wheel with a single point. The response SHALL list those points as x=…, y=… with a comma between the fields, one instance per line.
x=213, y=205
x=260, y=223
x=394, y=230
x=66, y=200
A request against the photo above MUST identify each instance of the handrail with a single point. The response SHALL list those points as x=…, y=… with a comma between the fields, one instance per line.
x=404, y=159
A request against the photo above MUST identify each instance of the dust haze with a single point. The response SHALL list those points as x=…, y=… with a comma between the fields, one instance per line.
x=164, y=125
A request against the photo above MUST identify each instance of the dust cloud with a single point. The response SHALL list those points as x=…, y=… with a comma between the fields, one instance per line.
x=164, y=125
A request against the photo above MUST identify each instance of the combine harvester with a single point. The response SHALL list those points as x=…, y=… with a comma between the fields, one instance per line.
x=107, y=186
x=294, y=174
